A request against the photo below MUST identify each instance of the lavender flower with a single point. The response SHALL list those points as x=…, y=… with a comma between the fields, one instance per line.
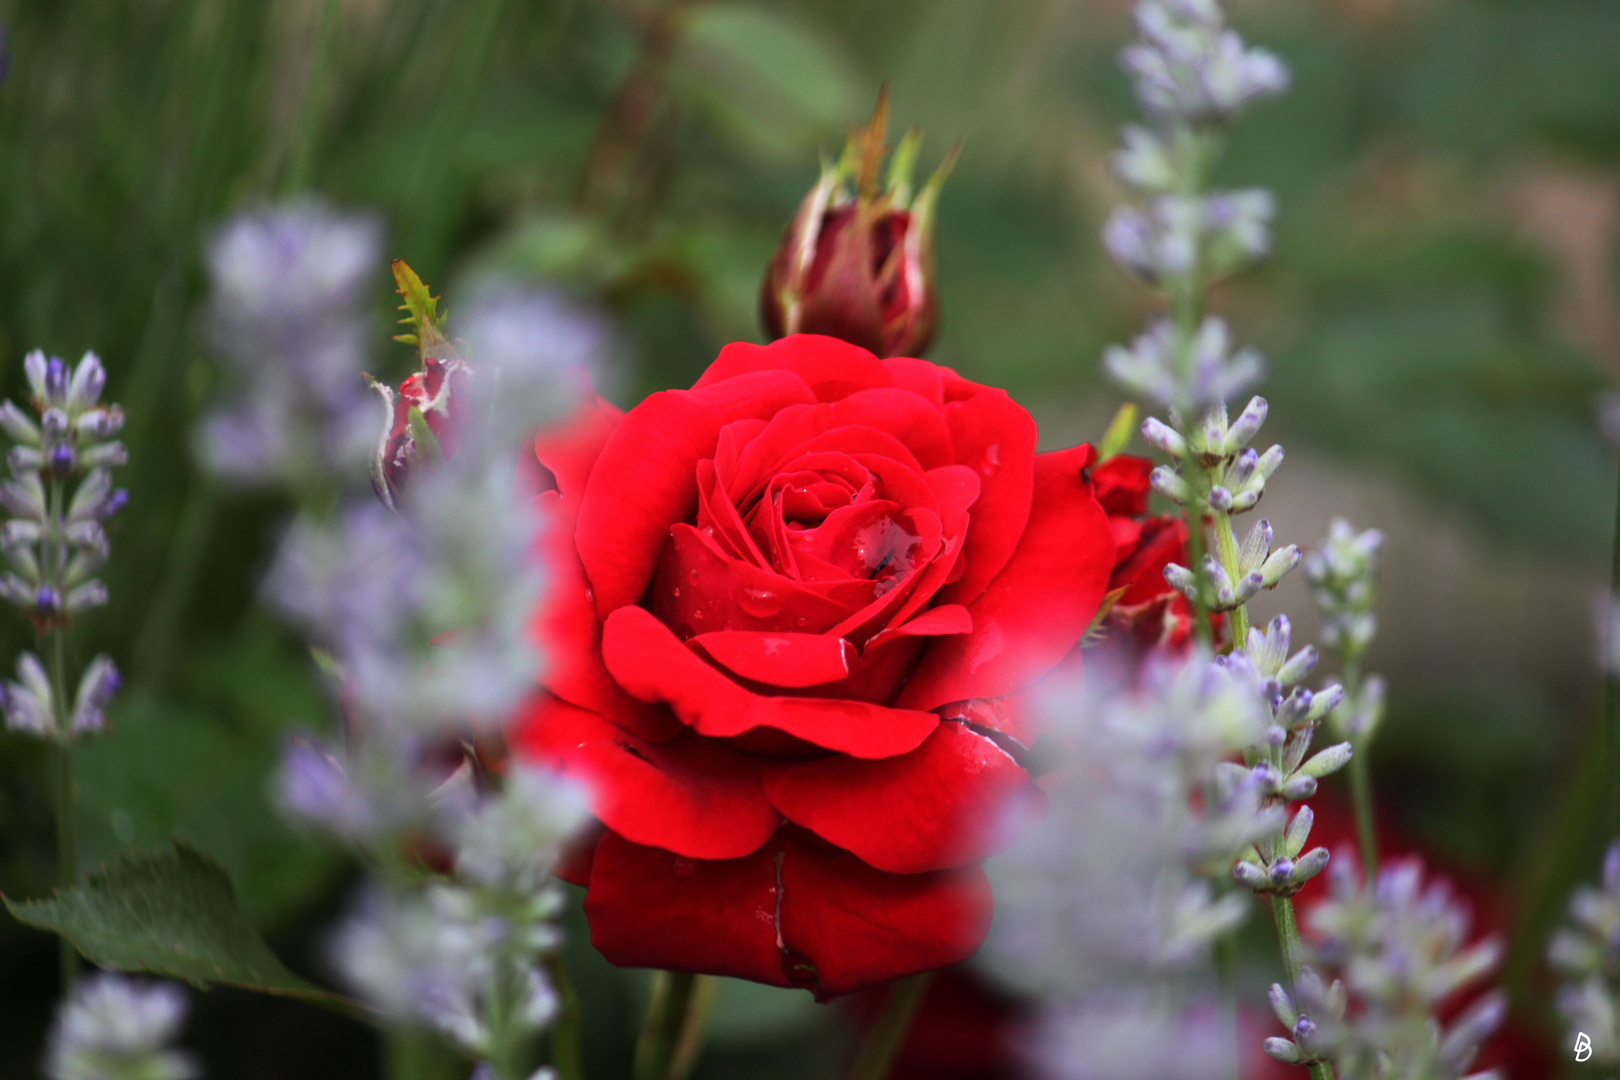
x=1343, y=576
x=512, y=841
x=436, y=959
x=1104, y=889
x=1189, y=67
x=30, y=704
x=289, y=315
x=53, y=555
x=1400, y=948
x=1130, y=1039
x=1587, y=953
x=1177, y=236
x=425, y=615
x=113, y=1028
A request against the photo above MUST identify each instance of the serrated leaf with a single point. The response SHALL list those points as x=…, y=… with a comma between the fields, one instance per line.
x=168, y=913
x=421, y=309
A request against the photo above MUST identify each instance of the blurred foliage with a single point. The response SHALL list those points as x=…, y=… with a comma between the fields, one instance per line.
x=646, y=154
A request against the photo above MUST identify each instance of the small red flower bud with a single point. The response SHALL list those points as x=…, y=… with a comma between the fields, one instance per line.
x=422, y=415
x=857, y=262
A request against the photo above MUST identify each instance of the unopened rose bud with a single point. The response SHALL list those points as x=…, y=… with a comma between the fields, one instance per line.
x=421, y=416
x=856, y=262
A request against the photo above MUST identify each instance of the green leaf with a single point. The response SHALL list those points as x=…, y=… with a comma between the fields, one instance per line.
x=427, y=443
x=421, y=310
x=169, y=913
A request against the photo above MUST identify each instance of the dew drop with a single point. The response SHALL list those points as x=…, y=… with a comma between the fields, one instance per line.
x=760, y=603
x=992, y=460
x=676, y=591
x=590, y=594
x=683, y=867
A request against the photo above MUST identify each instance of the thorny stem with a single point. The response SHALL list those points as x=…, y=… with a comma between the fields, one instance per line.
x=566, y=1055
x=888, y=1031
x=666, y=1017
x=1282, y=908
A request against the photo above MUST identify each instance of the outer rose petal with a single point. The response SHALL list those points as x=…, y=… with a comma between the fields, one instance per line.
x=645, y=479
x=1035, y=611
x=568, y=628
x=790, y=914
x=933, y=808
x=651, y=908
x=650, y=662
x=860, y=927
x=792, y=660
x=571, y=448
x=694, y=796
x=995, y=437
x=831, y=367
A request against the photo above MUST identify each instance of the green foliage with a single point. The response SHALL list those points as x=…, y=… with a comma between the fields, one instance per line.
x=167, y=913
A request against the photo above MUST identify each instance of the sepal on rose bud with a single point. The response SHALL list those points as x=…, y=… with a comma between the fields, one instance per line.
x=856, y=262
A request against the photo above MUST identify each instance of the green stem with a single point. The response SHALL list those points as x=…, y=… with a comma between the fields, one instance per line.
x=1366, y=826
x=689, y=1046
x=1227, y=551
x=883, y=1040
x=1288, y=940
x=666, y=1018
x=1612, y=692
x=567, y=1058
x=67, y=852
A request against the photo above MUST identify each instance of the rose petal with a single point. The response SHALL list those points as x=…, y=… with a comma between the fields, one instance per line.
x=994, y=436
x=646, y=477
x=570, y=632
x=655, y=909
x=651, y=663
x=791, y=914
x=913, y=420
x=570, y=449
x=1120, y=485
x=1036, y=610
x=936, y=807
x=778, y=659
x=919, y=376
x=693, y=796
x=833, y=368
x=858, y=926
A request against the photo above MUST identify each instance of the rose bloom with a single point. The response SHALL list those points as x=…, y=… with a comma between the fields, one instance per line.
x=1148, y=612
x=792, y=613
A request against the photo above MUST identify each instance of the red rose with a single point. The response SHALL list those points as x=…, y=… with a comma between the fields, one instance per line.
x=778, y=597
x=1150, y=612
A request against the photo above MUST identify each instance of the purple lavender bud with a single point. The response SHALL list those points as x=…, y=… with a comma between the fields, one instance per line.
x=56, y=382
x=111, y=504
x=1304, y=1028
x=62, y=459
x=1281, y=871
x=34, y=369
x=1611, y=868
x=47, y=600
x=100, y=423
x=54, y=422
x=97, y=686
x=89, y=379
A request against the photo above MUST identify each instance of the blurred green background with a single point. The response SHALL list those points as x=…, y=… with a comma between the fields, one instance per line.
x=1440, y=314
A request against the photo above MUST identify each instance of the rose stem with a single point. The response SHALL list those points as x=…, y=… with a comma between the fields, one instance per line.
x=1288, y=939
x=883, y=1039
x=566, y=1056
x=689, y=1045
x=666, y=1017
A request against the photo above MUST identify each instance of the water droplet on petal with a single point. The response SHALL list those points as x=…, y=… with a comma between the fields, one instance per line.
x=760, y=603
x=991, y=461
x=676, y=591
x=683, y=867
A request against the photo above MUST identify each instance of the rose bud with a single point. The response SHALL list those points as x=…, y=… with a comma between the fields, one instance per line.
x=419, y=423
x=856, y=262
